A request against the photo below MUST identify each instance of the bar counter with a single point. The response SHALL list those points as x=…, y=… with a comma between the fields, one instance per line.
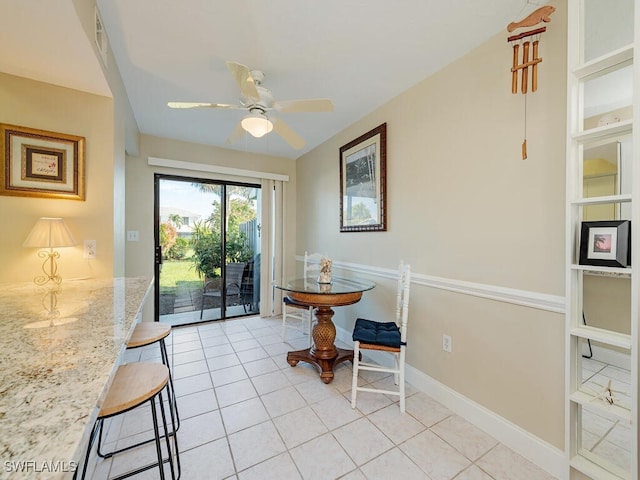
x=59, y=348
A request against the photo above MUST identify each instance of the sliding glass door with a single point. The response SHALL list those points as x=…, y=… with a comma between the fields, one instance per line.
x=207, y=236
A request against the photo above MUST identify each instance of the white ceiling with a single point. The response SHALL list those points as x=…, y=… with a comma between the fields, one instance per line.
x=358, y=53
x=43, y=40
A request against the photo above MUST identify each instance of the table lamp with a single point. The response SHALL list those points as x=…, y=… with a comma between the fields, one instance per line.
x=49, y=233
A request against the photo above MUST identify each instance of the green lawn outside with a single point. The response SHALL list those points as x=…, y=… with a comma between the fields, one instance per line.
x=178, y=271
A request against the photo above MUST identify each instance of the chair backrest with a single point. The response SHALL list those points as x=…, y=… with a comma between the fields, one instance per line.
x=234, y=277
x=247, y=282
x=402, y=299
x=312, y=264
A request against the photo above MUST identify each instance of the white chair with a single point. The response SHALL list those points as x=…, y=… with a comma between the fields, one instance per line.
x=388, y=337
x=293, y=310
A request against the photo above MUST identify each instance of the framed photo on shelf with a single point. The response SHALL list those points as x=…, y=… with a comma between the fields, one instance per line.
x=37, y=163
x=606, y=243
x=363, y=176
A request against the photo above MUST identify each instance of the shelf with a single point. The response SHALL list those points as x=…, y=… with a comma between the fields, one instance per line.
x=597, y=405
x=608, y=274
x=621, y=57
x=604, y=336
x=611, y=130
x=602, y=200
x=595, y=471
x=604, y=271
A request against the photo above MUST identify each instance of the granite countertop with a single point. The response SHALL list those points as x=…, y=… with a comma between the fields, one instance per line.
x=59, y=347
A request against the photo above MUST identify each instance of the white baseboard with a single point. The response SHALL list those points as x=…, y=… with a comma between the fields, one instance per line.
x=541, y=453
x=538, y=451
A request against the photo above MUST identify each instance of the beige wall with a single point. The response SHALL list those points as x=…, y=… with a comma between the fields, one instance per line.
x=463, y=205
x=125, y=131
x=46, y=107
x=139, y=189
x=108, y=125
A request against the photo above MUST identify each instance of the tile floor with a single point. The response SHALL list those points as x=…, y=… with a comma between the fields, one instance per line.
x=246, y=414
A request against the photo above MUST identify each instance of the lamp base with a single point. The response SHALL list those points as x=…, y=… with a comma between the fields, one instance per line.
x=49, y=267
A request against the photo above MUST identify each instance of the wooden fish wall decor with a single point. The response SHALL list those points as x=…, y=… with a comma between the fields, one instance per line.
x=529, y=41
x=540, y=15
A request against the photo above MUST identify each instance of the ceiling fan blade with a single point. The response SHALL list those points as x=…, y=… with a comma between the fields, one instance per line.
x=202, y=105
x=289, y=136
x=311, y=105
x=237, y=134
x=247, y=84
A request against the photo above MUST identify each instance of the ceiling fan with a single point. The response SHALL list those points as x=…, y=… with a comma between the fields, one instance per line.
x=258, y=100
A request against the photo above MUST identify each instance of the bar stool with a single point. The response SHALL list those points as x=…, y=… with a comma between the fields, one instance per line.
x=133, y=385
x=148, y=333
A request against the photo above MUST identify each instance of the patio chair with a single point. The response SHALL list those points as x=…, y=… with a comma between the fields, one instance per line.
x=211, y=289
x=247, y=287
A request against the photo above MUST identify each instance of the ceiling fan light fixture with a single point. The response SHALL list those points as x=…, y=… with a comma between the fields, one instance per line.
x=257, y=125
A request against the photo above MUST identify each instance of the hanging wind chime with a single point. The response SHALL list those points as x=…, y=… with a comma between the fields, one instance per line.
x=529, y=41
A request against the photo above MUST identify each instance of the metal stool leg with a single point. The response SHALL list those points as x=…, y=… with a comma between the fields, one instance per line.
x=154, y=414
x=92, y=438
x=175, y=440
x=172, y=393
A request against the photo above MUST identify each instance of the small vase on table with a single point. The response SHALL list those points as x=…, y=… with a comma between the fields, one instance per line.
x=325, y=271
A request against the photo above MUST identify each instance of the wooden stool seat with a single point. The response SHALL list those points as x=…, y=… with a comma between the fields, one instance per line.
x=133, y=384
x=146, y=333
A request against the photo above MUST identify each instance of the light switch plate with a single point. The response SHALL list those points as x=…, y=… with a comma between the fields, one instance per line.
x=446, y=343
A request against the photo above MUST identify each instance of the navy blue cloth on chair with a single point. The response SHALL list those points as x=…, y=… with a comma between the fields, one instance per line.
x=377, y=333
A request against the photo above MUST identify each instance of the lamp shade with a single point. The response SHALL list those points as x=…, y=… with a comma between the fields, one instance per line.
x=257, y=125
x=49, y=233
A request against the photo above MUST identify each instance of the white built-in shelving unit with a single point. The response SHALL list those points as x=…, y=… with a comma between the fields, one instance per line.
x=603, y=115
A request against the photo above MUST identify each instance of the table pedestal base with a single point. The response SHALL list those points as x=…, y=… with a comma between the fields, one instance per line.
x=326, y=365
x=324, y=354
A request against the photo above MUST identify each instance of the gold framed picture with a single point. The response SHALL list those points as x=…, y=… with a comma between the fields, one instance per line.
x=363, y=179
x=42, y=164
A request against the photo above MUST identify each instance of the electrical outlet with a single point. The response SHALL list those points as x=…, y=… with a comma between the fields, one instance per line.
x=133, y=236
x=89, y=249
x=446, y=343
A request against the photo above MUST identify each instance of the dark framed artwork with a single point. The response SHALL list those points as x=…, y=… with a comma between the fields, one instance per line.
x=42, y=164
x=363, y=176
x=606, y=243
